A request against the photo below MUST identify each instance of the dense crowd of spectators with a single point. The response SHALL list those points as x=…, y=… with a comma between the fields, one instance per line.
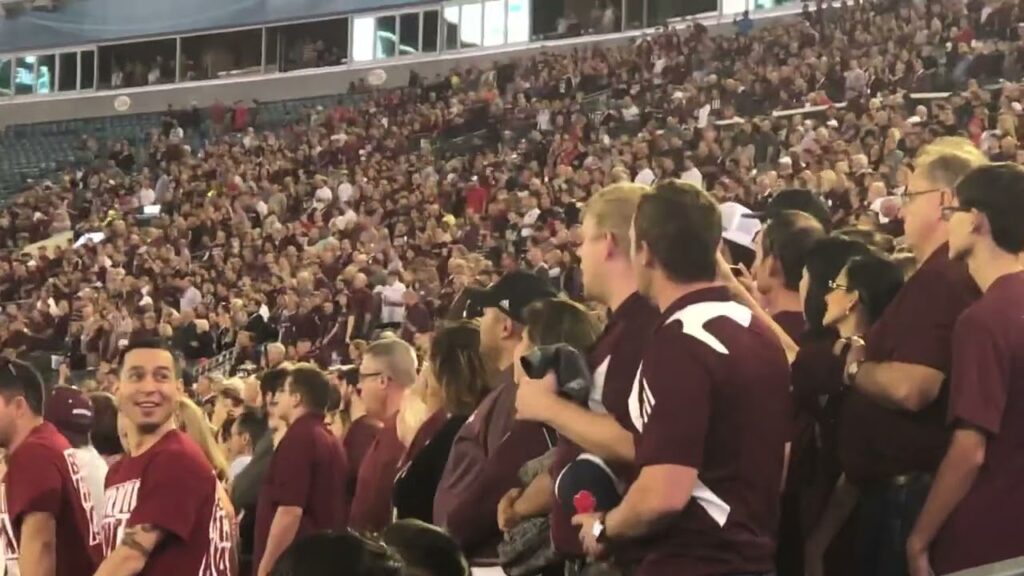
x=360, y=240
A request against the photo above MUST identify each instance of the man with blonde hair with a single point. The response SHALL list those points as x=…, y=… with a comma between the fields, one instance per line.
x=893, y=432
x=605, y=428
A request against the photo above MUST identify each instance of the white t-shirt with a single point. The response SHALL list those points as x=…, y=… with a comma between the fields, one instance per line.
x=147, y=196
x=645, y=177
x=631, y=113
x=344, y=192
x=238, y=464
x=323, y=196
x=345, y=221
x=94, y=469
x=693, y=176
x=392, y=303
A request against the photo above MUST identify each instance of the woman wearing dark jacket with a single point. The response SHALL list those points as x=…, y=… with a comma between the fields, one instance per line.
x=452, y=383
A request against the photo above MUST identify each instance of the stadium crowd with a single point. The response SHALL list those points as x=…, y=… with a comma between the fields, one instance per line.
x=677, y=328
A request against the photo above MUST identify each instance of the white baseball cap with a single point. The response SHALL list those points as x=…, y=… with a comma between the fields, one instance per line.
x=736, y=228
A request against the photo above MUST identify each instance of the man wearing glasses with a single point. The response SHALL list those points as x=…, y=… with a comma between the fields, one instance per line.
x=892, y=432
x=305, y=489
x=974, y=508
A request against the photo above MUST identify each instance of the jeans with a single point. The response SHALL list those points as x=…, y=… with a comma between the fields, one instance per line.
x=886, y=513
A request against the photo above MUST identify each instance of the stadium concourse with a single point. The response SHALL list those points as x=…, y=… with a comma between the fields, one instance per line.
x=734, y=304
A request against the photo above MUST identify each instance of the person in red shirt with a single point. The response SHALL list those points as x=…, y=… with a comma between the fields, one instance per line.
x=972, y=514
x=712, y=429
x=46, y=511
x=387, y=371
x=161, y=516
x=304, y=491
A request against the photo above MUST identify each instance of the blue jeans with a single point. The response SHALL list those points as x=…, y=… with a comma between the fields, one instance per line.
x=886, y=513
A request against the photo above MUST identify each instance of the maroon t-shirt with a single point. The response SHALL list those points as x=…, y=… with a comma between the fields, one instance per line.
x=613, y=361
x=170, y=486
x=713, y=395
x=792, y=323
x=309, y=470
x=987, y=393
x=43, y=476
x=916, y=328
x=360, y=437
x=371, y=506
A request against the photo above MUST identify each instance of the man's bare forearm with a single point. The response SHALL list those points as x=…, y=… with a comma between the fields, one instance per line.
x=952, y=482
x=599, y=434
x=898, y=385
x=38, y=554
x=537, y=499
x=131, y=555
x=282, y=532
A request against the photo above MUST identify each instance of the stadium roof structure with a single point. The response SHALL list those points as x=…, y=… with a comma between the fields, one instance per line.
x=87, y=22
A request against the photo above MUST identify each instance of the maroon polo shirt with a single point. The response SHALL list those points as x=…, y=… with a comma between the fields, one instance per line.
x=360, y=305
x=614, y=361
x=713, y=395
x=309, y=470
x=987, y=393
x=478, y=438
x=876, y=442
x=43, y=476
x=360, y=437
x=371, y=506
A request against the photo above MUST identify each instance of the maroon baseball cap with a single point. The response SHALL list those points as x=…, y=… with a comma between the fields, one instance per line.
x=70, y=410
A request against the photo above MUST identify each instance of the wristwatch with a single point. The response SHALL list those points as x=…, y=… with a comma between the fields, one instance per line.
x=852, y=369
x=598, y=531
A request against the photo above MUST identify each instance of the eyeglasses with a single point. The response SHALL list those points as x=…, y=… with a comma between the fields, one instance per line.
x=367, y=375
x=833, y=285
x=907, y=197
x=949, y=211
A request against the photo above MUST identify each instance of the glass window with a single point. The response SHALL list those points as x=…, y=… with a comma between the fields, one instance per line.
x=387, y=37
x=471, y=29
x=409, y=33
x=221, y=54
x=312, y=44
x=5, y=76
x=565, y=18
x=451, y=28
x=87, y=66
x=68, y=74
x=634, y=14
x=362, y=39
x=430, y=23
x=518, y=21
x=494, y=22
x=658, y=11
x=25, y=75
x=137, y=63
x=272, y=50
x=46, y=74
x=733, y=6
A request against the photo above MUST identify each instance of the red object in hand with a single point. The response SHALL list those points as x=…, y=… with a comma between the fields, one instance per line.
x=584, y=502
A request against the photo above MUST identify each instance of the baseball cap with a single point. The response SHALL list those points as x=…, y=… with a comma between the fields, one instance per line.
x=799, y=199
x=513, y=293
x=736, y=227
x=588, y=483
x=69, y=410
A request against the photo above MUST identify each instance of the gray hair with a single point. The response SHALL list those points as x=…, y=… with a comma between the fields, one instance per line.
x=398, y=359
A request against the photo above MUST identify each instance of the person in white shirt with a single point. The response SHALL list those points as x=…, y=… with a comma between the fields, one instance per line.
x=190, y=296
x=691, y=174
x=392, y=301
x=246, y=431
x=346, y=220
x=70, y=411
x=146, y=194
x=344, y=189
x=323, y=195
x=645, y=176
x=630, y=112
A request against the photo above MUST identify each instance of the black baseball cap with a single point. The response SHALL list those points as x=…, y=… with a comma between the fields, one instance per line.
x=799, y=199
x=588, y=485
x=513, y=293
